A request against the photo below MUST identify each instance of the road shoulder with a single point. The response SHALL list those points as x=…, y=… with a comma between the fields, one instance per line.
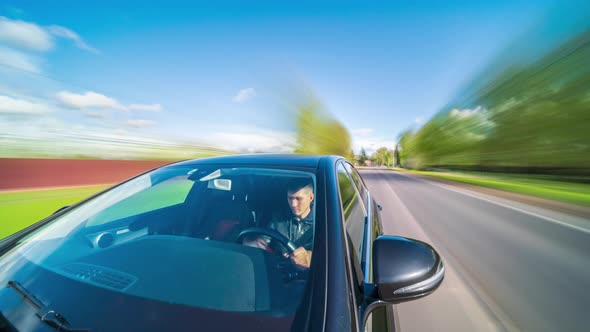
x=563, y=207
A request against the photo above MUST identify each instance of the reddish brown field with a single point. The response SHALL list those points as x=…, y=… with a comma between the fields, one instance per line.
x=41, y=173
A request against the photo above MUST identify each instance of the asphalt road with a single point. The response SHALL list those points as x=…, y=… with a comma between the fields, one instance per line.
x=509, y=266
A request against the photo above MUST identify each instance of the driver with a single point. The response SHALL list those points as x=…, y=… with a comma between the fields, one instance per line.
x=299, y=227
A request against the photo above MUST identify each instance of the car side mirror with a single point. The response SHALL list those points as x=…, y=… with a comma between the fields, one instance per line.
x=405, y=269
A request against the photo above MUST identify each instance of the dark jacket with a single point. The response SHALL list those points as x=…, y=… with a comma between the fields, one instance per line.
x=298, y=231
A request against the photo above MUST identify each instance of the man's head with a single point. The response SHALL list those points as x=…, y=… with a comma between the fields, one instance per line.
x=300, y=196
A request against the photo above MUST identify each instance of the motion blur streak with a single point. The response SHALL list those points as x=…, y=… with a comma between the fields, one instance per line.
x=528, y=112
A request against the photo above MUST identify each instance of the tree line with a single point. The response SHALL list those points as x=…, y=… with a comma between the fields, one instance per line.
x=381, y=157
x=531, y=117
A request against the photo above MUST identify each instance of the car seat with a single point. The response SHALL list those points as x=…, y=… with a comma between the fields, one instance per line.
x=224, y=215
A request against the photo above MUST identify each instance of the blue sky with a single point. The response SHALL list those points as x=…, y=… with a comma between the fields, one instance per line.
x=223, y=72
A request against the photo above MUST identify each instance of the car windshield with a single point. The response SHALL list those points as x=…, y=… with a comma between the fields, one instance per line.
x=173, y=235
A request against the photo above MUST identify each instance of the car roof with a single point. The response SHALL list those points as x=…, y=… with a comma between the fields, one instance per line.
x=268, y=159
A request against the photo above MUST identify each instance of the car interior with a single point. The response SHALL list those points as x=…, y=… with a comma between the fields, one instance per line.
x=196, y=241
x=213, y=214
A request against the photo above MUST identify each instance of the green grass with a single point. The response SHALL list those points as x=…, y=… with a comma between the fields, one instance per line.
x=21, y=209
x=162, y=195
x=577, y=193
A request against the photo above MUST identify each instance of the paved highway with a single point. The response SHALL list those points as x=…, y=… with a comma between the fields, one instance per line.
x=509, y=266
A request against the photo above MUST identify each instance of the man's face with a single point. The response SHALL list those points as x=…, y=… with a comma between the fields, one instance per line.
x=300, y=201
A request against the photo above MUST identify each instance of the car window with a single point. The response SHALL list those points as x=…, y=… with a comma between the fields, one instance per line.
x=354, y=211
x=358, y=182
x=162, y=195
x=172, y=235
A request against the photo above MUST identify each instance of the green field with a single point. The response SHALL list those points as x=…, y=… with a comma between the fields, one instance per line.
x=539, y=186
x=19, y=209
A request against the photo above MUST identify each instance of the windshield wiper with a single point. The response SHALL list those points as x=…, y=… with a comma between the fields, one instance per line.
x=47, y=315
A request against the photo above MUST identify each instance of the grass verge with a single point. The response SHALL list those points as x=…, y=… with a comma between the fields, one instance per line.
x=576, y=193
x=20, y=209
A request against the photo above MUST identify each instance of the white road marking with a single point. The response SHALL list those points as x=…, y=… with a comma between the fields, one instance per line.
x=578, y=228
x=482, y=313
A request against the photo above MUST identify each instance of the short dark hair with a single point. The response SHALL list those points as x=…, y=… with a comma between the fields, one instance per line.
x=299, y=183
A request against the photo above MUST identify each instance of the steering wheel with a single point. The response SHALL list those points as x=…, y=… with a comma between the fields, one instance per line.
x=280, y=238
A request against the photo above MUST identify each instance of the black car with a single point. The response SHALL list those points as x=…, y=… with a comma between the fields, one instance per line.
x=165, y=251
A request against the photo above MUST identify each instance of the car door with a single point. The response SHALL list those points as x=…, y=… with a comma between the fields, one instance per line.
x=362, y=224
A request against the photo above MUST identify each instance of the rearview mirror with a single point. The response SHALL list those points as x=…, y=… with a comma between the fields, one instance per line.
x=405, y=269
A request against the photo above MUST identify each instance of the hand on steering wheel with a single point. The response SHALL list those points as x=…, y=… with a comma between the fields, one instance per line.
x=280, y=238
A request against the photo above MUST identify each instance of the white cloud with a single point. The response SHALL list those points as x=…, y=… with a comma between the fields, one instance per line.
x=66, y=33
x=140, y=123
x=89, y=99
x=146, y=107
x=20, y=106
x=244, y=95
x=252, y=139
x=18, y=60
x=24, y=35
x=419, y=120
x=32, y=37
x=41, y=127
x=96, y=114
x=362, y=131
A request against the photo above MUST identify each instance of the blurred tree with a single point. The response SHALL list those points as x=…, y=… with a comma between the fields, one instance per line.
x=408, y=152
x=530, y=116
x=382, y=156
x=396, y=157
x=362, y=158
x=319, y=133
